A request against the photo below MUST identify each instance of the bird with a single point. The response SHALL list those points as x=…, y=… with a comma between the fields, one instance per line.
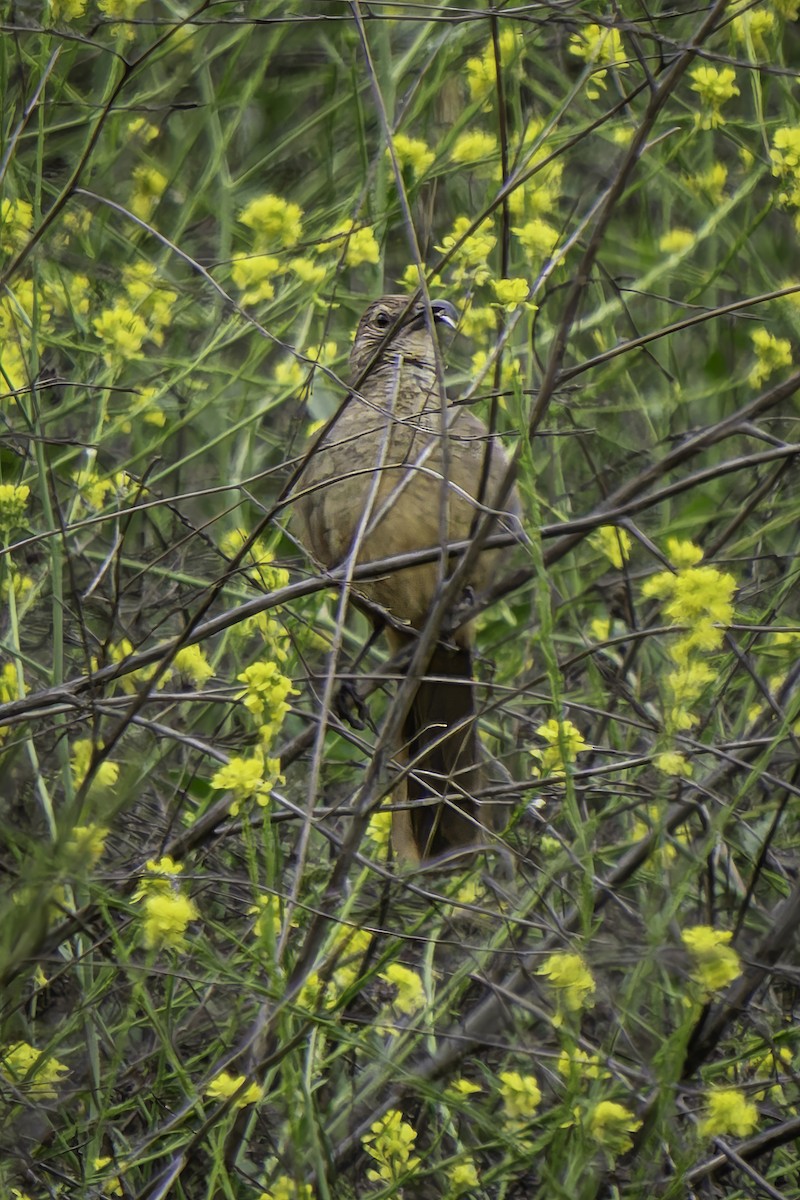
x=395, y=470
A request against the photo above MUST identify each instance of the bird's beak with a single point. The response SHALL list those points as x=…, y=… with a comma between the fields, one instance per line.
x=442, y=311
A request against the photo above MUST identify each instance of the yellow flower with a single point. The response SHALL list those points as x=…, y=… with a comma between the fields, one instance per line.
x=110, y=1185
x=166, y=916
x=265, y=695
x=482, y=71
x=614, y=543
x=13, y=503
x=564, y=743
x=120, y=10
x=572, y=979
x=603, y=46
x=714, y=88
x=123, y=332
x=67, y=10
x=463, y=1177
x=285, y=1188
x=248, y=778
x=673, y=763
x=85, y=845
x=192, y=663
x=390, y=1143
x=252, y=274
x=460, y=1088
x=226, y=1085
x=139, y=127
x=611, y=1125
x=106, y=775
x=31, y=1070
x=379, y=829
x=356, y=245
x=475, y=247
x=537, y=237
x=276, y=223
x=580, y=1065
x=260, y=556
x=410, y=279
x=715, y=963
x=753, y=27
x=520, y=1094
x=149, y=185
x=410, y=993
x=160, y=875
x=709, y=184
x=413, y=153
x=150, y=299
x=772, y=353
x=473, y=146
x=675, y=241
x=511, y=292
x=683, y=554
x=16, y=223
x=728, y=1111
x=307, y=271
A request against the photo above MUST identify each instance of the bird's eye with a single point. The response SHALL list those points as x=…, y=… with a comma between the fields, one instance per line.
x=381, y=320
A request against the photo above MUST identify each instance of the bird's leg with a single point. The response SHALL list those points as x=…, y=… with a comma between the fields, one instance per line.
x=348, y=703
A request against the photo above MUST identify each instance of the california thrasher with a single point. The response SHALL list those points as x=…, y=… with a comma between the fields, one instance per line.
x=385, y=474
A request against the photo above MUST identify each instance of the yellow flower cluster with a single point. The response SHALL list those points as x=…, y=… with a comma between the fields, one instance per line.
x=714, y=88
x=564, y=743
x=772, y=354
x=601, y=45
x=715, y=963
x=752, y=28
x=85, y=845
x=785, y=158
x=149, y=298
x=409, y=989
x=13, y=505
x=613, y=543
x=167, y=910
x=106, y=775
x=470, y=251
x=149, y=185
x=31, y=1071
x=482, y=71
x=285, y=1188
x=276, y=224
x=473, y=146
x=710, y=184
x=390, y=1143
x=413, y=153
x=192, y=663
x=728, y=1111
x=226, y=1085
x=520, y=1096
x=611, y=1125
x=248, y=778
x=265, y=697
x=257, y=562
x=16, y=224
x=700, y=598
x=572, y=980
x=123, y=11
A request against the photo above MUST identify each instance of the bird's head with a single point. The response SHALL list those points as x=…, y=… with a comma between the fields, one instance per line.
x=384, y=333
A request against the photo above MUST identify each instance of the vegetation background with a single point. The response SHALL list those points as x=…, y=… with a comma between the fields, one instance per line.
x=216, y=981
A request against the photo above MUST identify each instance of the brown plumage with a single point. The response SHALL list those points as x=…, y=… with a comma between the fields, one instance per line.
x=379, y=477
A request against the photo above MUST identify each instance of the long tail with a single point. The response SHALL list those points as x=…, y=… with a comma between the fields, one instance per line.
x=441, y=744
